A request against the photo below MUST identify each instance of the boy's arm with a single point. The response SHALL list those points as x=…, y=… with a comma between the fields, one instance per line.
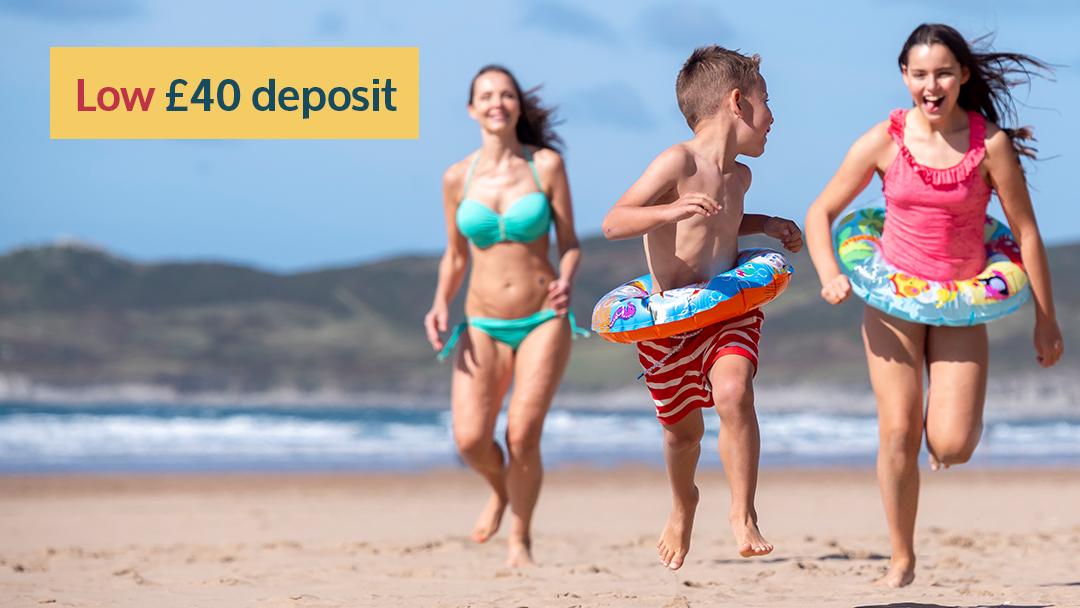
x=637, y=212
x=783, y=230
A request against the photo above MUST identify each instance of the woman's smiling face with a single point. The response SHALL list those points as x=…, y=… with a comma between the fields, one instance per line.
x=934, y=77
x=495, y=102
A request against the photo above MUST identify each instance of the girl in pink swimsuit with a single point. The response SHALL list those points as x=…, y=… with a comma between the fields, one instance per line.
x=938, y=162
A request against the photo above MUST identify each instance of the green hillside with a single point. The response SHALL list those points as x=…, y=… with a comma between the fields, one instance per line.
x=76, y=316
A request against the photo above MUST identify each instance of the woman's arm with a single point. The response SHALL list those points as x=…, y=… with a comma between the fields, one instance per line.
x=1007, y=179
x=554, y=171
x=865, y=157
x=455, y=262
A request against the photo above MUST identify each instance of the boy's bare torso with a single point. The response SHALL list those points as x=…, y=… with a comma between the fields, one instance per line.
x=698, y=248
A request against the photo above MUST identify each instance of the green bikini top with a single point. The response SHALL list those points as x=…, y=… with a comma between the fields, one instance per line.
x=525, y=220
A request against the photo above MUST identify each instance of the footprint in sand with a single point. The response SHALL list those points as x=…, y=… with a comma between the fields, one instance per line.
x=959, y=541
x=224, y=582
x=422, y=548
x=284, y=544
x=950, y=562
x=589, y=569
x=353, y=549
x=304, y=599
x=692, y=585
x=132, y=574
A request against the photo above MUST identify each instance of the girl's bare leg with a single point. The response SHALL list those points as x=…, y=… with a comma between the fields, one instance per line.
x=740, y=448
x=957, y=359
x=482, y=373
x=540, y=363
x=894, y=354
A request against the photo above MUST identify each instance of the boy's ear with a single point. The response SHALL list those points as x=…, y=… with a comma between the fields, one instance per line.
x=734, y=98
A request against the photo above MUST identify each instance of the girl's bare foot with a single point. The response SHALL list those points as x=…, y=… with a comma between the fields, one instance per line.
x=520, y=555
x=935, y=465
x=749, y=539
x=487, y=524
x=674, y=541
x=897, y=577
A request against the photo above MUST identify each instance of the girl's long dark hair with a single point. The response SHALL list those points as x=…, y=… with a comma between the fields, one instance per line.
x=992, y=75
x=535, y=126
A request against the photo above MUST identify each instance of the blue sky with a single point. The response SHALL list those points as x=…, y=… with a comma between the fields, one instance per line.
x=610, y=66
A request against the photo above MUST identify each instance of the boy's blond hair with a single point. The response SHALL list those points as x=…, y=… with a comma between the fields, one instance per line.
x=708, y=75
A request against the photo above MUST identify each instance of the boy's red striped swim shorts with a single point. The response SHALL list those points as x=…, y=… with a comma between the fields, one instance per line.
x=677, y=368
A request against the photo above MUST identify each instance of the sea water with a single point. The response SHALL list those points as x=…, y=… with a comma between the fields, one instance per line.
x=102, y=438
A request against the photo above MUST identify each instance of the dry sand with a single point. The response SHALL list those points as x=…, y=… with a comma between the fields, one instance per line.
x=1000, y=538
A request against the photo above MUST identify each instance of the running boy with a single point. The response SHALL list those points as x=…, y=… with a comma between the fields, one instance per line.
x=689, y=207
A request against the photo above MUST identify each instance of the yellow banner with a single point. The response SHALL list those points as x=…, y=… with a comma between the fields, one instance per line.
x=235, y=93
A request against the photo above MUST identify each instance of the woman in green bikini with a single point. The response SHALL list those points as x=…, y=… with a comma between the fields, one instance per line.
x=500, y=202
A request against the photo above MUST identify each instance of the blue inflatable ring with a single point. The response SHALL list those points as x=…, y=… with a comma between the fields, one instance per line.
x=1001, y=288
x=632, y=313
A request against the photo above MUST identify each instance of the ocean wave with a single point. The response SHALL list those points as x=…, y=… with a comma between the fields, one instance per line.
x=36, y=437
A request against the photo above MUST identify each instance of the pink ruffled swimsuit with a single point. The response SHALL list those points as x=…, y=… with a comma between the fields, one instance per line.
x=934, y=218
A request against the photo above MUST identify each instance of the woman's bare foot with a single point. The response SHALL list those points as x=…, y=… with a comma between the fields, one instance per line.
x=674, y=541
x=897, y=577
x=520, y=555
x=487, y=524
x=749, y=539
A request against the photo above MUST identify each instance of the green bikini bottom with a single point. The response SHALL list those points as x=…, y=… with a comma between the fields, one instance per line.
x=511, y=332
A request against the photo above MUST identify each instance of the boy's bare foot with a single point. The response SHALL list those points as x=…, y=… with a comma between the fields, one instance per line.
x=674, y=541
x=520, y=555
x=748, y=537
x=487, y=524
x=897, y=577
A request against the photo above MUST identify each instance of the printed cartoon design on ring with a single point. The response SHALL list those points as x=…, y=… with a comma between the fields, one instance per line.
x=998, y=290
x=632, y=313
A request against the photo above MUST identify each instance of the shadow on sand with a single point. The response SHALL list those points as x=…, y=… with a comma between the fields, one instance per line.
x=831, y=556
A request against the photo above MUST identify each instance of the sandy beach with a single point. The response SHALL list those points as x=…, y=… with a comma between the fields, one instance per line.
x=985, y=538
